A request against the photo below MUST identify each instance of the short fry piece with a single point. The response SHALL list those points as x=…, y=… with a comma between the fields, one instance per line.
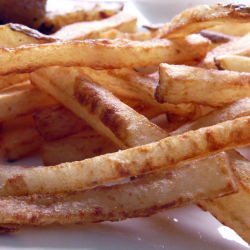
x=179, y=83
x=233, y=62
x=167, y=153
x=122, y=21
x=141, y=197
x=75, y=148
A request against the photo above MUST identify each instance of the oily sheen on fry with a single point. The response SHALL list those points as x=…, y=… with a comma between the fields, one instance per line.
x=164, y=154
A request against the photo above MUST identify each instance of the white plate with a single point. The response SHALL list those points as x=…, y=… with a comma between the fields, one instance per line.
x=184, y=228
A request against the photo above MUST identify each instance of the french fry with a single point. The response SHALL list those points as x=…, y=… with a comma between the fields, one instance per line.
x=233, y=210
x=81, y=11
x=97, y=106
x=240, y=46
x=19, y=138
x=75, y=148
x=23, y=100
x=142, y=197
x=230, y=112
x=167, y=154
x=123, y=21
x=217, y=37
x=201, y=17
x=233, y=62
x=13, y=35
x=101, y=54
x=128, y=84
x=12, y=79
x=185, y=84
x=55, y=122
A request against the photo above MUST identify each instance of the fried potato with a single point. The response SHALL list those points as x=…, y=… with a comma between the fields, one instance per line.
x=55, y=122
x=128, y=84
x=233, y=62
x=230, y=112
x=22, y=100
x=19, y=138
x=13, y=35
x=217, y=37
x=142, y=197
x=12, y=79
x=75, y=148
x=201, y=17
x=167, y=154
x=81, y=11
x=100, y=53
x=233, y=210
x=185, y=84
x=97, y=106
x=240, y=46
x=123, y=21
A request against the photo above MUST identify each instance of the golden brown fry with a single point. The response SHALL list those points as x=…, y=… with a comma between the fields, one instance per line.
x=99, y=53
x=240, y=46
x=230, y=112
x=22, y=100
x=123, y=21
x=12, y=79
x=201, y=17
x=167, y=154
x=79, y=12
x=75, y=148
x=185, y=84
x=99, y=107
x=55, y=122
x=233, y=210
x=233, y=62
x=141, y=197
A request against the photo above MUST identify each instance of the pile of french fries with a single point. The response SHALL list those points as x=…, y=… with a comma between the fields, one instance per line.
x=127, y=122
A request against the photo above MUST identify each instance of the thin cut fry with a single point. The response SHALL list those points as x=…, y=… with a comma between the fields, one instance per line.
x=233, y=210
x=230, y=112
x=123, y=21
x=98, y=53
x=98, y=107
x=22, y=101
x=167, y=153
x=200, y=17
x=141, y=197
x=184, y=84
x=233, y=62
x=75, y=148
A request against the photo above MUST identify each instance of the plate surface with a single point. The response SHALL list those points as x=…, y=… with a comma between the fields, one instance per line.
x=183, y=228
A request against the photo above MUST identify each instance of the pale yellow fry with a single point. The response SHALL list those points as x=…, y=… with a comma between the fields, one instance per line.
x=239, y=46
x=230, y=112
x=99, y=53
x=233, y=62
x=75, y=148
x=14, y=35
x=200, y=17
x=123, y=21
x=141, y=197
x=233, y=210
x=98, y=107
x=185, y=84
x=164, y=154
x=26, y=99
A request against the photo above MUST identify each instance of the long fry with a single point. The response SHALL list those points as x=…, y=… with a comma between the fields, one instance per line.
x=164, y=154
x=141, y=197
x=98, y=107
x=180, y=83
x=100, y=53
